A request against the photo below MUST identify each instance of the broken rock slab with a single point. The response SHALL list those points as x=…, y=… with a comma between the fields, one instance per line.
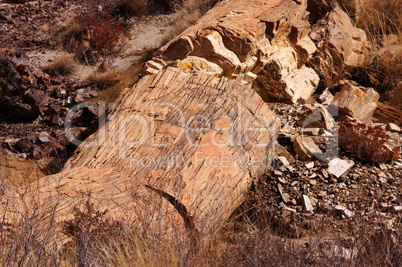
x=316, y=116
x=339, y=167
x=307, y=203
x=306, y=149
x=23, y=89
x=356, y=101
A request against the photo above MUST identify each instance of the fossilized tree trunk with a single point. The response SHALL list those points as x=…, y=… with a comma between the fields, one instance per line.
x=177, y=154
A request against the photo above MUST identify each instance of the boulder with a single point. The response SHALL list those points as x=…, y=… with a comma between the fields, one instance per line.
x=356, y=101
x=265, y=44
x=177, y=154
x=23, y=89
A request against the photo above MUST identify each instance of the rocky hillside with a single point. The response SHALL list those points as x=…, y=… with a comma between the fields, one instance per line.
x=269, y=132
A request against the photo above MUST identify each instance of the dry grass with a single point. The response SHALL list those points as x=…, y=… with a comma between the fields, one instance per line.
x=382, y=21
x=252, y=237
x=187, y=13
x=63, y=65
x=104, y=79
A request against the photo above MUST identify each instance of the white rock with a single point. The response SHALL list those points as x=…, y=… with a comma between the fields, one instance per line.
x=309, y=165
x=397, y=208
x=43, y=137
x=392, y=127
x=307, y=203
x=311, y=131
x=339, y=166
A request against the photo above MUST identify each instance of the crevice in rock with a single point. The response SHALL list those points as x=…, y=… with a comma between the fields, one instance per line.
x=182, y=210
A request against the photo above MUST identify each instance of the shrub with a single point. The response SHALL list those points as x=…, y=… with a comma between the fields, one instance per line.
x=92, y=33
x=383, y=71
x=187, y=13
x=364, y=142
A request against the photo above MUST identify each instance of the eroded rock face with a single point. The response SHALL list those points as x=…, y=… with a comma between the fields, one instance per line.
x=192, y=143
x=266, y=40
x=22, y=89
x=340, y=46
x=267, y=44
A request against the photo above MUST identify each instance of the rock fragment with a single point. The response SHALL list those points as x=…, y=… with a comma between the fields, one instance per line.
x=338, y=166
x=392, y=127
x=307, y=203
x=305, y=148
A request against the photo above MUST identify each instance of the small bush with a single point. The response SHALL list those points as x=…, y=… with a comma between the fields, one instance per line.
x=92, y=33
x=379, y=19
x=367, y=143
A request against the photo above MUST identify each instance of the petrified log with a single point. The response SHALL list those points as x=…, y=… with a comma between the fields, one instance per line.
x=179, y=151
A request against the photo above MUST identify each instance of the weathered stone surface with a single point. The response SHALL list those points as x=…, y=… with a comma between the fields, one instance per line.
x=356, y=101
x=340, y=46
x=186, y=145
x=23, y=87
x=266, y=42
x=326, y=97
x=388, y=114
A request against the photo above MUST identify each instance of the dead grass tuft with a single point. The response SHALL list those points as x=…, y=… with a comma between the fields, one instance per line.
x=63, y=65
x=104, y=79
x=187, y=13
x=382, y=21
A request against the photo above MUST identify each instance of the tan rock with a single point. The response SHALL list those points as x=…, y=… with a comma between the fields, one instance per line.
x=246, y=42
x=177, y=155
x=356, y=101
x=305, y=148
x=340, y=46
x=283, y=152
x=392, y=127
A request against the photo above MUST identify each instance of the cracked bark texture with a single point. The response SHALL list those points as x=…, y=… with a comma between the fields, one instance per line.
x=177, y=154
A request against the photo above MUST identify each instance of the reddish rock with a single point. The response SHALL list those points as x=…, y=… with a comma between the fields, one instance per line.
x=23, y=85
